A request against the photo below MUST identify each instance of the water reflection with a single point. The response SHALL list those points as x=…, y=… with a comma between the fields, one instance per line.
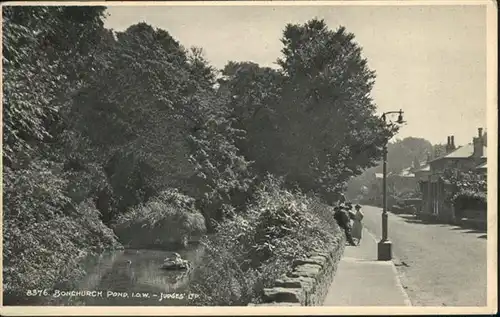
x=133, y=272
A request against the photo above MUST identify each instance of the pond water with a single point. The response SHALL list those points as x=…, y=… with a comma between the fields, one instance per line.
x=132, y=278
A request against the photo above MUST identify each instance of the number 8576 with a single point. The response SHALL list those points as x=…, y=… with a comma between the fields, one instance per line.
x=37, y=292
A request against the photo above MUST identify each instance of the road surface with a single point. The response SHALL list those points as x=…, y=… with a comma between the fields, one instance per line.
x=439, y=265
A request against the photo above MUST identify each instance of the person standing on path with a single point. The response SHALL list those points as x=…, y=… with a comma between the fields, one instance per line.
x=357, y=227
x=343, y=218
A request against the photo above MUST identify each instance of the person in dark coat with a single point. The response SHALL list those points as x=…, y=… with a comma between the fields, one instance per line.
x=343, y=219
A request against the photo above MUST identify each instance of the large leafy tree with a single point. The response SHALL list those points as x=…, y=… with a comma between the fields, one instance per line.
x=407, y=152
x=130, y=109
x=316, y=119
x=154, y=116
x=222, y=175
x=48, y=52
x=337, y=133
x=438, y=150
x=251, y=92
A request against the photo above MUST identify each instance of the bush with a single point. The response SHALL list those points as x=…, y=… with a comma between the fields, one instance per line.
x=252, y=250
x=466, y=186
x=47, y=250
x=165, y=220
x=220, y=280
x=470, y=204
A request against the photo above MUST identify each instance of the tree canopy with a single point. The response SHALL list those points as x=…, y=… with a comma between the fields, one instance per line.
x=312, y=120
x=99, y=125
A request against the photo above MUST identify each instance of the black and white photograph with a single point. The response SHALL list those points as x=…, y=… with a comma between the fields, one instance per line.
x=266, y=155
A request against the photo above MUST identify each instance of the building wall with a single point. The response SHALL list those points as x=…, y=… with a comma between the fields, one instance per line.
x=435, y=191
x=434, y=202
x=425, y=192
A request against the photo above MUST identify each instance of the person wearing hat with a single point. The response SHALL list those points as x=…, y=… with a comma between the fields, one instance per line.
x=343, y=218
x=357, y=226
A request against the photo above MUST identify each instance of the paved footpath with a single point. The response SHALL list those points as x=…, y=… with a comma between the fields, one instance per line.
x=361, y=280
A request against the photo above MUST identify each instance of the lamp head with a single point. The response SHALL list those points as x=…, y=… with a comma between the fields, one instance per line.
x=400, y=117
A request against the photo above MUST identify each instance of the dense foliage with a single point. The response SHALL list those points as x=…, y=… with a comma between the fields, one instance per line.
x=258, y=247
x=43, y=49
x=163, y=221
x=468, y=192
x=131, y=131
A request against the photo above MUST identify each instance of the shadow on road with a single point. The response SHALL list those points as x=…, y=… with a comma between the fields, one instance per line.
x=482, y=236
x=469, y=230
x=413, y=219
x=410, y=218
x=464, y=229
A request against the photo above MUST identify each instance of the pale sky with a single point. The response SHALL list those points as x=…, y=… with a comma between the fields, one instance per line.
x=430, y=60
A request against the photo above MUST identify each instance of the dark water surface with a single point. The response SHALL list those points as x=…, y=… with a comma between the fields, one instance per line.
x=132, y=278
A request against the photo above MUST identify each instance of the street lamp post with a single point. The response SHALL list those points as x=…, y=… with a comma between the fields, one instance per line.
x=385, y=245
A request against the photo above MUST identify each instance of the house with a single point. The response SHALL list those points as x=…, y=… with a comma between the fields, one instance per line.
x=422, y=175
x=404, y=181
x=375, y=190
x=435, y=189
x=397, y=184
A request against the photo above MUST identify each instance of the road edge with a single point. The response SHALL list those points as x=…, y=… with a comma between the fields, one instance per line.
x=407, y=299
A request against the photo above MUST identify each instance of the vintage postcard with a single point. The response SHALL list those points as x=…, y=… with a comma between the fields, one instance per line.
x=249, y=157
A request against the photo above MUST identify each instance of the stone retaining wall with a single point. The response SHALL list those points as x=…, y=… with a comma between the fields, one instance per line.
x=309, y=279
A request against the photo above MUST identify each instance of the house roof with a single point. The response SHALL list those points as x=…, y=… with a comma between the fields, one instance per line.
x=465, y=151
x=381, y=175
x=482, y=166
x=425, y=168
x=407, y=172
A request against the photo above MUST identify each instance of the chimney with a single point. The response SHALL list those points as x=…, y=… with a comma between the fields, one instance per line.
x=452, y=143
x=478, y=144
x=448, y=145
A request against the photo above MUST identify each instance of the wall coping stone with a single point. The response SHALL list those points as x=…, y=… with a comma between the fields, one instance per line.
x=283, y=294
x=308, y=280
x=307, y=270
x=295, y=282
x=317, y=260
